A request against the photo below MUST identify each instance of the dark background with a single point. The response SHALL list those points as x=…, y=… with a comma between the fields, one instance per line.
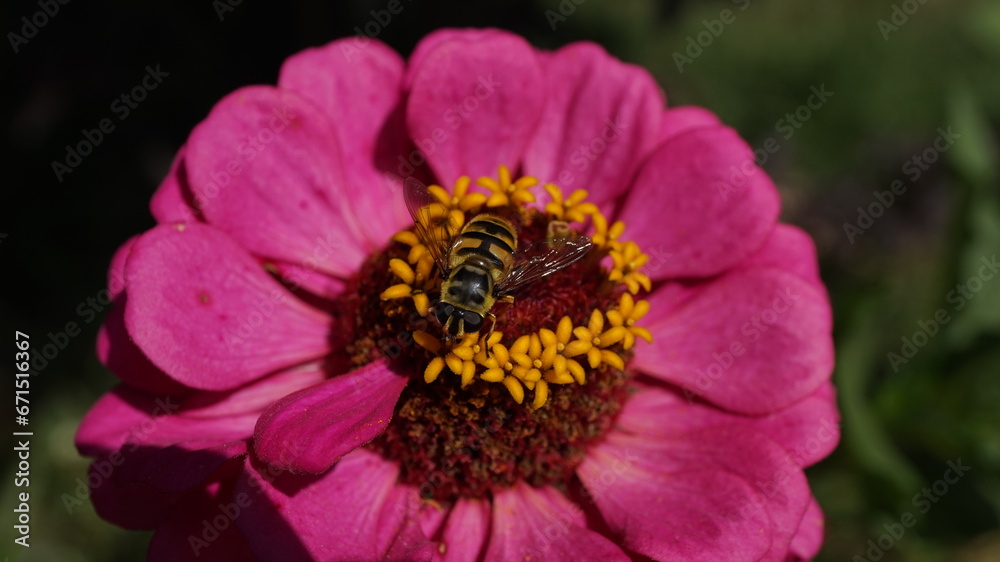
x=892, y=92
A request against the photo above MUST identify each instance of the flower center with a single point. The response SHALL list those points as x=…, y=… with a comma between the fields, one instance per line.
x=517, y=390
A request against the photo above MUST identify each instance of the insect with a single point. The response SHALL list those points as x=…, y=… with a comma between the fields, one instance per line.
x=482, y=262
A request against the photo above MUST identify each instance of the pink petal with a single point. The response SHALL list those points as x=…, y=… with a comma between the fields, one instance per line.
x=701, y=200
x=254, y=397
x=599, y=123
x=121, y=356
x=202, y=527
x=466, y=532
x=205, y=312
x=126, y=417
x=117, y=416
x=116, y=271
x=753, y=341
x=683, y=118
x=173, y=201
x=677, y=511
x=173, y=469
x=432, y=40
x=432, y=517
x=791, y=249
x=307, y=277
x=265, y=166
x=361, y=93
x=809, y=430
x=809, y=538
x=115, y=347
x=780, y=488
x=140, y=435
x=474, y=101
x=133, y=506
x=356, y=511
x=541, y=524
x=308, y=431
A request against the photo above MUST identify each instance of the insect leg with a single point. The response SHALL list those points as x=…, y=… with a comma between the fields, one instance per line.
x=508, y=300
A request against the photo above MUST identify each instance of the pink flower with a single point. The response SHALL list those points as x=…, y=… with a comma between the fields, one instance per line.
x=274, y=400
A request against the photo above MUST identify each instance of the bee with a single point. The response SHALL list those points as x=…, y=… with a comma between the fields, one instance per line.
x=482, y=262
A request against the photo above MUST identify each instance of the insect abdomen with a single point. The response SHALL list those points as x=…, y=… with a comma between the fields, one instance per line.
x=490, y=241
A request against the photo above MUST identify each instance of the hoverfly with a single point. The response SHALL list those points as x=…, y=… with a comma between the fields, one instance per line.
x=482, y=262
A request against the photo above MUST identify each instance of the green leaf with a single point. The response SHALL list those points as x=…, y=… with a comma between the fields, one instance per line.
x=975, y=299
x=857, y=357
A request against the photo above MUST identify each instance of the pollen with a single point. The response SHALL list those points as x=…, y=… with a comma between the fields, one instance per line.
x=540, y=340
x=597, y=343
x=506, y=193
x=606, y=237
x=628, y=260
x=626, y=315
x=415, y=282
x=570, y=209
x=545, y=374
x=460, y=199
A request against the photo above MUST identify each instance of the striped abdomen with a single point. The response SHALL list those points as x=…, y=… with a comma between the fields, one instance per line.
x=487, y=242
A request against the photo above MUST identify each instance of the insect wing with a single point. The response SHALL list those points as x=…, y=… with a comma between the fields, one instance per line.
x=541, y=258
x=433, y=223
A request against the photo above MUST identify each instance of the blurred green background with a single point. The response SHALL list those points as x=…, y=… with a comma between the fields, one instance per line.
x=896, y=85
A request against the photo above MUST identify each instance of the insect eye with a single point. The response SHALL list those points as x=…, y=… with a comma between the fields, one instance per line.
x=442, y=313
x=473, y=322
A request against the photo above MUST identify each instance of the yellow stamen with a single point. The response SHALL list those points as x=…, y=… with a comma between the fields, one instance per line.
x=572, y=209
x=541, y=395
x=427, y=341
x=397, y=292
x=626, y=315
x=515, y=389
x=506, y=192
x=434, y=369
x=402, y=270
x=604, y=237
x=407, y=237
x=593, y=341
x=628, y=259
x=552, y=354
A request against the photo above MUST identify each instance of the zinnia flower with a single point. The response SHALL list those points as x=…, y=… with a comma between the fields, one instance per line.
x=287, y=395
